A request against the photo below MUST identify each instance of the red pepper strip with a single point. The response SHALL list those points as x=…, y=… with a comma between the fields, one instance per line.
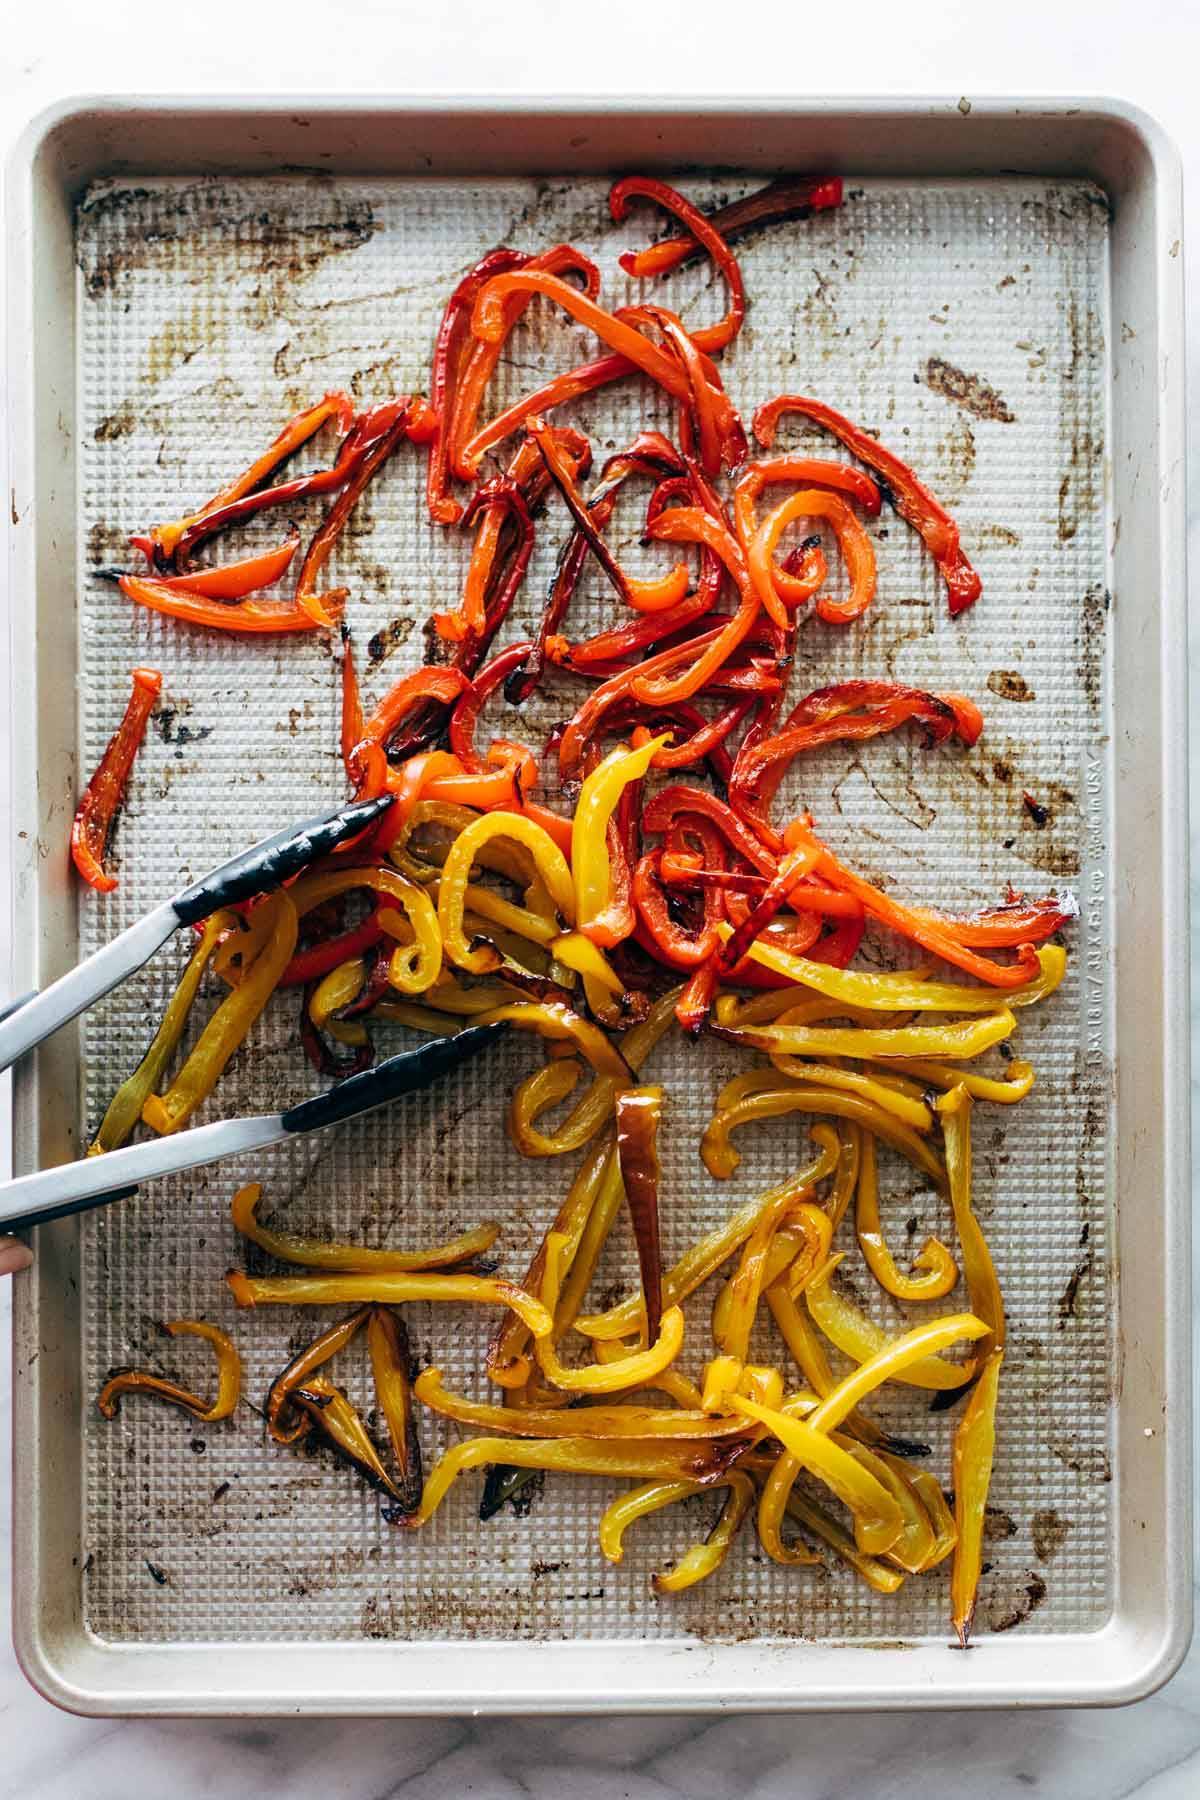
x=376, y=986
x=487, y=322
x=708, y=735
x=235, y=580
x=677, y=802
x=571, y=385
x=448, y=351
x=383, y=444
x=310, y=964
x=352, y=713
x=690, y=525
x=480, y=361
x=567, y=569
x=357, y=444
x=639, y=1111
x=584, y=724
x=162, y=542
x=681, y=868
x=910, y=497
x=839, y=946
x=695, y=1003
x=804, y=471
x=432, y=682
x=627, y=640
x=673, y=942
x=102, y=795
x=1004, y=926
x=853, y=541
x=785, y=198
x=722, y=438
x=911, y=924
x=704, y=232
x=552, y=823
x=646, y=596
x=248, y=615
x=796, y=864
x=465, y=717
x=802, y=571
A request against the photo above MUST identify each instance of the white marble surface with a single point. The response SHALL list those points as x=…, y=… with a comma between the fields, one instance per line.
x=1148, y=54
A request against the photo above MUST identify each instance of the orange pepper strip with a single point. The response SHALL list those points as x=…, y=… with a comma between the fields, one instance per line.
x=853, y=541
x=234, y=581
x=807, y=472
x=705, y=233
x=689, y=525
x=571, y=385
x=488, y=323
x=256, y=616
x=102, y=795
x=333, y=524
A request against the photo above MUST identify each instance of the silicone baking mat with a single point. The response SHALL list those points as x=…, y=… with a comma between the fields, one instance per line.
x=963, y=321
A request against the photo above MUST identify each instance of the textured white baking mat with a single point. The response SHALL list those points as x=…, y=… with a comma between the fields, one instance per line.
x=966, y=323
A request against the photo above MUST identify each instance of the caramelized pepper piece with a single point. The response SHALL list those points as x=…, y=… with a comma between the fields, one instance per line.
x=102, y=795
x=391, y=1365
x=639, y=1113
x=138, y=1381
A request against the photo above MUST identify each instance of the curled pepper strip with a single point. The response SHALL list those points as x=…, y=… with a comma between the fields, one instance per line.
x=1015, y=1083
x=911, y=498
x=549, y=862
x=954, y=1110
x=855, y=546
x=448, y=350
x=689, y=525
x=285, y=1423
x=858, y=1337
x=916, y=1544
x=803, y=1341
x=788, y=197
x=877, y=1518
x=102, y=795
x=162, y=542
x=636, y=1459
x=255, y=617
x=573, y=384
x=798, y=1248
x=737, y=1306
x=639, y=1114
x=702, y=231
x=940, y=1272
x=721, y=1159
x=383, y=443
x=974, y=1453
x=890, y=1361
x=703, y=1559
x=632, y=1371
x=607, y=918
x=902, y=1100
x=884, y=1577
x=589, y=1421
x=414, y=967
x=391, y=1367
x=139, y=1381
x=387, y=1288
x=317, y=1253
x=229, y=1025
x=330, y=1409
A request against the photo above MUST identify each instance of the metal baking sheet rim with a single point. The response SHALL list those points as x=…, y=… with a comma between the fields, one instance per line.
x=1147, y=1634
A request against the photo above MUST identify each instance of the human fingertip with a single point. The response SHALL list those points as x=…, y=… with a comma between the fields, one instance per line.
x=14, y=1256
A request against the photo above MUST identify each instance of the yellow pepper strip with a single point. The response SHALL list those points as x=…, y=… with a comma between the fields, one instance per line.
x=760, y=1009
x=934, y=1501
x=733, y=1323
x=940, y=1268
x=599, y=1378
x=577, y=952
x=888, y=1362
x=705, y=1258
x=327, y=1406
x=125, y=1107
x=414, y=966
x=901, y=992
x=585, y=1421
x=332, y=992
x=978, y=1267
x=391, y=1367
x=139, y=1381
x=801, y=1246
x=508, y=1363
x=352, y=1259
x=549, y=862
x=448, y=995
x=418, y=1018
x=974, y=1450
x=386, y=1289
x=500, y=854
x=855, y=1081
x=964, y=1037
x=237, y=951
x=877, y=1517
x=882, y=1576
x=633, y=1459
x=305, y=1363
x=546, y=1087
x=670, y=1382
x=703, y=1559
x=845, y=1180
x=721, y=1159
x=801, y=1337
x=577, y=1280
x=781, y=1470
x=556, y=1021
x=859, y=1338
x=1007, y=1089
x=521, y=951
x=229, y=1025
x=915, y=1544
x=600, y=915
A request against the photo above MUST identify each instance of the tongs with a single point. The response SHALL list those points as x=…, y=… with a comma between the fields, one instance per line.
x=97, y=1180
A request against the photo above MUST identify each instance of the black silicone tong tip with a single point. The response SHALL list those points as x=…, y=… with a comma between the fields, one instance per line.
x=404, y=1074
x=268, y=865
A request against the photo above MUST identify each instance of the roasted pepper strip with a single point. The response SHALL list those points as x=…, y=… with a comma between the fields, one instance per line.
x=639, y=1114
x=233, y=581
x=448, y=351
x=855, y=546
x=588, y=1421
x=954, y=1110
x=229, y=1377
x=965, y=1037
x=702, y=231
x=877, y=1518
x=929, y=1489
x=384, y=443
x=974, y=1451
x=889, y=1363
x=940, y=1269
x=787, y=197
x=859, y=1338
x=391, y=1367
x=253, y=616
x=900, y=1099
x=602, y=1379
x=125, y=1107
x=317, y=1253
x=1007, y=1089
x=488, y=323
x=803, y=1341
x=882, y=1576
x=387, y=1289
x=303, y=1365
x=703, y=1559
x=601, y=915
x=549, y=863
x=572, y=384
x=910, y=497
x=229, y=1025
x=901, y=993
x=721, y=1159
x=328, y=1407
x=102, y=795
x=916, y=1543
x=797, y=1248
